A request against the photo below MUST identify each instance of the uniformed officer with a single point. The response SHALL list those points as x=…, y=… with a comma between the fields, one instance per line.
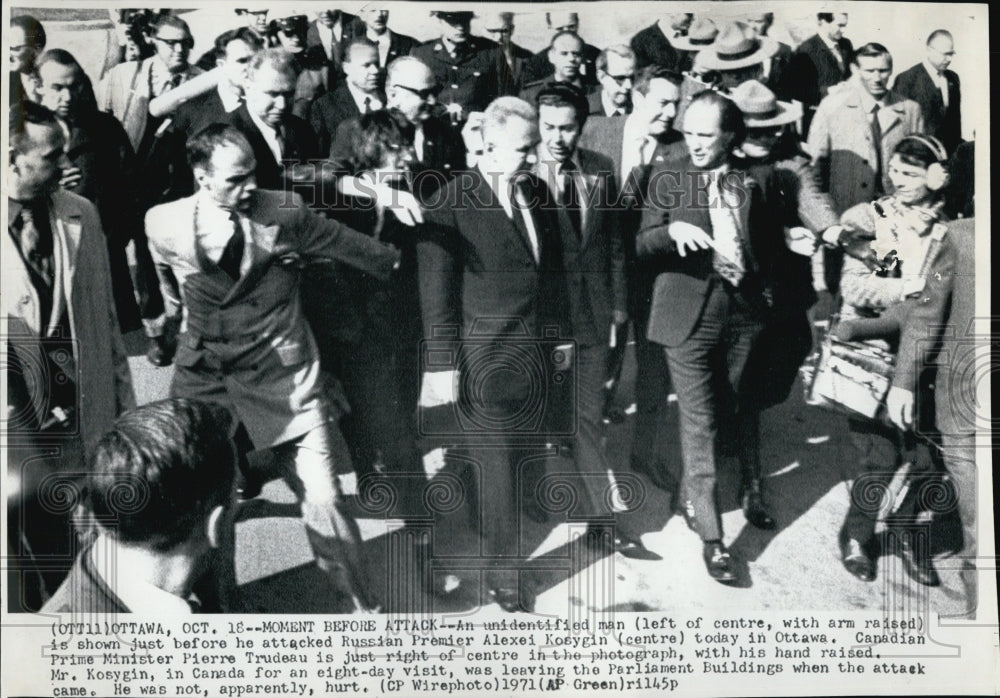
x=465, y=66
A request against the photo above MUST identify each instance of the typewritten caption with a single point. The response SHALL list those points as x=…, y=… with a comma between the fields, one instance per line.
x=434, y=656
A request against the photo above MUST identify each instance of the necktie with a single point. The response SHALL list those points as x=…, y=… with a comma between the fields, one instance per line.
x=877, y=144
x=520, y=206
x=841, y=57
x=36, y=242
x=368, y=105
x=727, y=259
x=570, y=199
x=232, y=255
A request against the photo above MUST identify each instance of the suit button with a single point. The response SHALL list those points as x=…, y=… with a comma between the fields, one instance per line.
x=864, y=185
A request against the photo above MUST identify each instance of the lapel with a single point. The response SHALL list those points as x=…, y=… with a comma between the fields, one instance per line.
x=259, y=236
x=66, y=231
x=895, y=110
x=514, y=223
x=587, y=197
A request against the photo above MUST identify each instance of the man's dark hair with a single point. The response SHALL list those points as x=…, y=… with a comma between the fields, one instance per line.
x=34, y=32
x=936, y=33
x=730, y=116
x=245, y=34
x=565, y=32
x=203, y=144
x=827, y=16
x=161, y=470
x=60, y=56
x=23, y=113
x=379, y=133
x=169, y=20
x=654, y=72
x=871, y=50
x=559, y=95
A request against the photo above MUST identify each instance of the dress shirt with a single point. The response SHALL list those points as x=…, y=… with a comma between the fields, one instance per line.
x=214, y=228
x=939, y=80
x=868, y=104
x=726, y=234
x=419, y=139
x=231, y=99
x=328, y=34
x=834, y=49
x=272, y=137
x=637, y=146
x=503, y=191
x=551, y=172
x=610, y=108
x=382, y=42
x=135, y=594
x=374, y=103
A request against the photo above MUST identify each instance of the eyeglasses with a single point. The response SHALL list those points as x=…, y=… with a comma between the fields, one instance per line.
x=424, y=94
x=620, y=79
x=175, y=44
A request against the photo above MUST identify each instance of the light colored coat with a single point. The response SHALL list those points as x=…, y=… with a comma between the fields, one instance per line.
x=840, y=142
x=246, y=345
x=82, y=290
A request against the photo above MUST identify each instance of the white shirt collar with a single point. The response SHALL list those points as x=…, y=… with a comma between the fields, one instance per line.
x=830, y=43
x=609, y=107
x=270, y=135
x=230, y=97
x=135, y=594
x=359, y=98
x=933, y=72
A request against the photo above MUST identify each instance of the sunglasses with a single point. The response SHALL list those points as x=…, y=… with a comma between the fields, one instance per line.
x=426, y=93
x=175, y=44
x=620, y=79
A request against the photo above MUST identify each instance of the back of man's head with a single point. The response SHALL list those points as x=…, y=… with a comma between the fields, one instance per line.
x=24, y=113
x=161, y=471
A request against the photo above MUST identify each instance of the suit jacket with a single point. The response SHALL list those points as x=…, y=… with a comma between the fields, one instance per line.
x=246, y=345
x=651, y=47
x=399, y=44
x=952, y=381
x=595, y=103
x=84, y=591
x=82, y=292
x=594, y=261
x=479, y=279
x=350, y=25
x=195, y=114
x=538, y=67
x=328, y=112
x=472, y=79
x=813, y=70
x=776, y=71
x=512, y=74
x=840, y=143
x=299, y=146
x=946, y=124
x=603, y=134
x=684, y=283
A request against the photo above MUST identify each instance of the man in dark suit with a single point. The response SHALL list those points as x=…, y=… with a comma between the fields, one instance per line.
x=182, y=452
x=374, y=28
x=465, y=66
x=653, y=46
x=359, y=93
x=616, y=68
x=540, y=67
x=583, y=183
x=27, y=41
x=500, y=27
x=490, y=286
x=566, y=56
x=717, y=246
x=774, y=67
x=229, y=260
x=279, y=139
x=819, y=63
x=936, y=89
x=325, y=40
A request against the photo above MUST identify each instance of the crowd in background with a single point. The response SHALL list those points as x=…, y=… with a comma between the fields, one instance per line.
x=333, y=230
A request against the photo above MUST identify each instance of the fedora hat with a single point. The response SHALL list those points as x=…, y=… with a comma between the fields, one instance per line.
x=761, y=108
x=736, y=47
x=453, y=16
x=699, y=37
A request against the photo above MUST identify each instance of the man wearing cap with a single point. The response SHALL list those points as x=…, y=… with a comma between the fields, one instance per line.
x=500, y=27
x=464, y=65
x=566, y=56
x=853, y=135
x=936, y=89
x=541, y=67
x=774, y=67
x=325, y=39
x=359, y=93
x=819, y=63
x=616, y=75
x=654, y=45
x=713, y=227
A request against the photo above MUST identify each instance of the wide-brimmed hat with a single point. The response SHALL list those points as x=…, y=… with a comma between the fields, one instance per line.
x=453, y=16
x=700, y=36
x=761, y=109
x=736, y=47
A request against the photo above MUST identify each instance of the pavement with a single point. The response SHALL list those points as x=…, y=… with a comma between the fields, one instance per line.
x=808, y=466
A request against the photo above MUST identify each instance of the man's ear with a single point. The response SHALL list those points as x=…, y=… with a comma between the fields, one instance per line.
x=214, y=525
x=12, y=158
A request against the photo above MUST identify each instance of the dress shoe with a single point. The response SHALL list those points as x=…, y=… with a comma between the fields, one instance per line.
x=606, y=539
x=755, y=511
x=513, y=599
x=248, y=489
x=160, y=352
x=916, y=562
x=856, y=559
x=719, y=562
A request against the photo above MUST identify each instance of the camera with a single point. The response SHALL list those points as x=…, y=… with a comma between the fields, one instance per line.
x=510, y=382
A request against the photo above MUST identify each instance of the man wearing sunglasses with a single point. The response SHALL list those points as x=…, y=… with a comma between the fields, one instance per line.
x=616, y=73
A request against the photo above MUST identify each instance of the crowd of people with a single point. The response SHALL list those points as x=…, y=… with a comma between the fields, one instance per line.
x=340, y=232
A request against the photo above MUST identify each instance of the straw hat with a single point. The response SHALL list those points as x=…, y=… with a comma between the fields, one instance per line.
x=761, y=109
x=700, y=36
x=736, y=47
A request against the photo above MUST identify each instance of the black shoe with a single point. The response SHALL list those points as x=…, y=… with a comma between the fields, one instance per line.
x=605, y=539
x=719, y=562
x=755, y=511
x=248, y=489
x=916, y=562
x=857, y=561
x=513, y=599
x=159, y=353
x=633, y=548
